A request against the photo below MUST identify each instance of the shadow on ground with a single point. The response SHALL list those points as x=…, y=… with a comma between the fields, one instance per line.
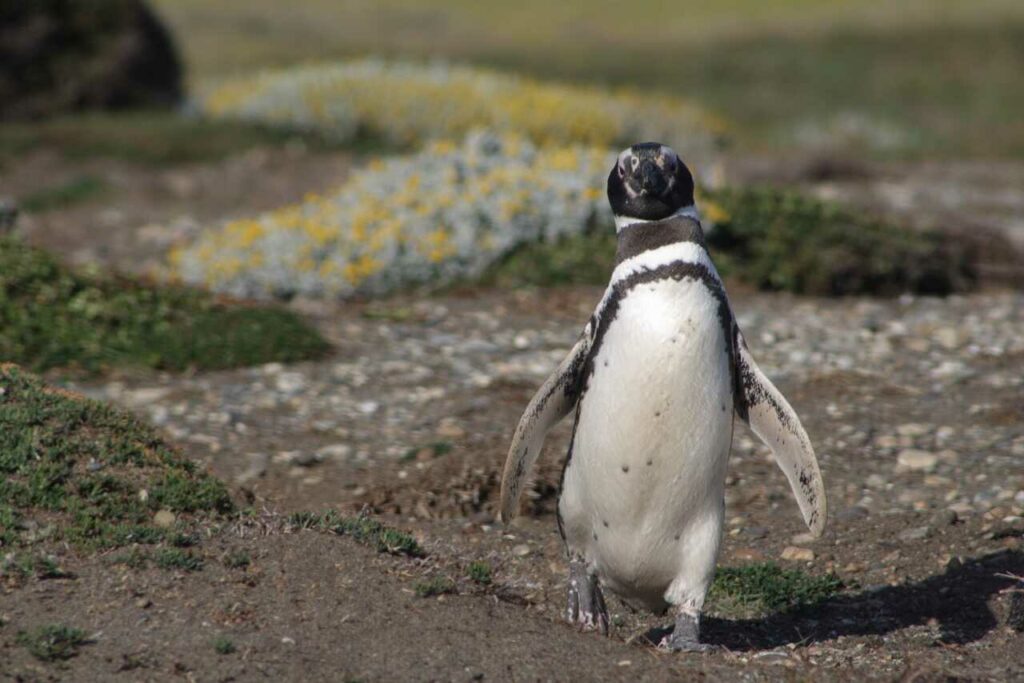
x=958, y=599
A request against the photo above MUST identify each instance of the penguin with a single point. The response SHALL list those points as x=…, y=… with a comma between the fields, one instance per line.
x=655, y=380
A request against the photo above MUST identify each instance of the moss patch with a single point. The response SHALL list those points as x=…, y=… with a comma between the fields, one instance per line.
x=762, y=588
x=51, y=316
x=88, y=473
x=781, y=240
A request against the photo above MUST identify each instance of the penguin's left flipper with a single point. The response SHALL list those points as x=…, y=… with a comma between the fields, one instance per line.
x=769, y=414
x=554, y=400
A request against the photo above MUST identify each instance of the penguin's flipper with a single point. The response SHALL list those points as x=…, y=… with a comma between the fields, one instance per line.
x=554, y=400
x=769, y=414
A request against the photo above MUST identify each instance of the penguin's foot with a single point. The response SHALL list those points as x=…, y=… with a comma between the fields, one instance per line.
x=586, y=603
x=685, y=637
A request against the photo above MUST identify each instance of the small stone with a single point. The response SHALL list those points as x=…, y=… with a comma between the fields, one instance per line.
x=944, y=518
x=368, y=407
x=912, y=429
x=256, y=469
x=755, y=532
x=143, y=603
x=916, y=461
x=876, y=481
x=164, y=519
x=916, y=534
x=795, y=554
x=521, y=550
x=334, y=451
x=749, y=555
x=305, y=459
x=450, y=430
x=290, y=382
x=803, y=538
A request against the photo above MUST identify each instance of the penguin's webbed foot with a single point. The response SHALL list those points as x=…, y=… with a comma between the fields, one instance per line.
x=586, y=602
x=685, y=636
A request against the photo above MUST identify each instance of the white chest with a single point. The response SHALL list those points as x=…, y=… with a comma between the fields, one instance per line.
x=653, y=433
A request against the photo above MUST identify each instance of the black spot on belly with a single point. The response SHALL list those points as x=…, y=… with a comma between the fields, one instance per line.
x=605, y=522
x=677, y=537
x=606, y=363
x=657, y=413
x=625, y=468
x=650, y=462
x=595, y=535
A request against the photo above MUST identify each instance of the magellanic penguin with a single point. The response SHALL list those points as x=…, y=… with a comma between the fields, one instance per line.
x=655, y=380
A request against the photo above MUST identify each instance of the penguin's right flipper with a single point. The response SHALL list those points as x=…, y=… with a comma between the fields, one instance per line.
x=769, y=414
x=554, y=400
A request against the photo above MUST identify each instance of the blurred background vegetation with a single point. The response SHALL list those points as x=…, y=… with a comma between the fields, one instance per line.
x=159, y=86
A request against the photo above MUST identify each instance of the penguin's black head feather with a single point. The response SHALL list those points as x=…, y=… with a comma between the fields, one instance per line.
x=649, y=181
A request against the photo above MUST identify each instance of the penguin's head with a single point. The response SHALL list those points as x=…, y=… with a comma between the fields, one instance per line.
x=649, y=182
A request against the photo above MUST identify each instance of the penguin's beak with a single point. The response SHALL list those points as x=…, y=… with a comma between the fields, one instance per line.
x=652, y=180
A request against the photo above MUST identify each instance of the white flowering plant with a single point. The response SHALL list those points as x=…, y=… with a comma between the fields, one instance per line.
x=445, y=213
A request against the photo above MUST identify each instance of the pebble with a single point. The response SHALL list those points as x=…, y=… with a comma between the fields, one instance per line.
x=916, y=461
x=164, y=519
x=944, y=518
x=795, y=554
x=915, y=534
x=257, y=467
x=521, y=550
x=852, y=513
x=290, y=382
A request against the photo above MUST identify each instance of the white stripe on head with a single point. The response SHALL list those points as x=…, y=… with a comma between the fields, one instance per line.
x=687, y=211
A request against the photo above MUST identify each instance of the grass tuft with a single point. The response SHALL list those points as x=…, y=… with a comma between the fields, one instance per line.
x=175, y=558
x=52, y=642
x=480, y=571
x=437, y=585
x=223, y=645
x=762, y=588
x=363, y=529
x=237, y=560
x=51, y=316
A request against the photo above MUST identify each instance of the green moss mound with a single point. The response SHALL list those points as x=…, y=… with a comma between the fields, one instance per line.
x=781, y=240
x=777, y=240
x=81, y=471
x=51, y=316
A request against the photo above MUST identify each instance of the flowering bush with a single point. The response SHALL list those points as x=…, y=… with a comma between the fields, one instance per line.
x=444, y=213
x=407, y=104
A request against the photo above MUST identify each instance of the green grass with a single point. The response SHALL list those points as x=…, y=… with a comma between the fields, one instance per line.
x=776, y=240
x=480, y=572
x=222, y=645
x=175, y=558
x=49, y=438
x=75, y=191
x=437, y=585
x=363, y=529
x=763, y=588
x=155, y=138
x=52, y=642
x=237, y=560
x=919, y=77
x=52, y=316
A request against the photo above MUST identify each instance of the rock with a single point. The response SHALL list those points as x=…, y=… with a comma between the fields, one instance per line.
x=795, y=554
x=912, y=429
x=755, y=532
x=164, y=519
x=916, y=534
x=944, y=518
x=803, y=538
x=450, y=430
x=914, y=460
x=290, y=382
x=257, y=468
x=876, y=481
x=521, y=550
x=57, y=57
x=334, y=451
